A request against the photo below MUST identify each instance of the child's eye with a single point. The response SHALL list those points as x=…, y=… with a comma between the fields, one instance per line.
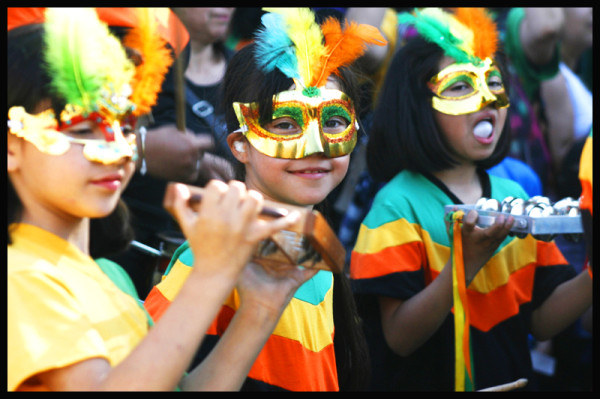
x=81, y=130
x=284, y=126
x=458, y=89
x=335, y=119
x=495, y=84
x=336, y=124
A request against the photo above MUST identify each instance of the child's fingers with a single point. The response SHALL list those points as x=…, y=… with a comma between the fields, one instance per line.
x=501, y=227
x=307, y=274
x=176, y=202
x=268, y=228
x=172, y=191
x=234, y=198
x=250, y=208
x=469, y=221
x=213, y=194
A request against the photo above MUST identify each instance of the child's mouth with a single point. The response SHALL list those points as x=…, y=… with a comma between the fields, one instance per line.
x=484, y=131
x=310, y=173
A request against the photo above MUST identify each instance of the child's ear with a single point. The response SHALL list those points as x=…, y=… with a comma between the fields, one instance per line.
x=13, y=149
x=238, y=146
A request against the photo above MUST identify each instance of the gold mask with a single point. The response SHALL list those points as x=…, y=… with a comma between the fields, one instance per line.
x=302, y=125
x=43, y=132
x=465, y=88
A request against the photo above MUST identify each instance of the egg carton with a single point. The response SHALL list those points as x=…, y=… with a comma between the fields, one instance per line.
x=523, y=225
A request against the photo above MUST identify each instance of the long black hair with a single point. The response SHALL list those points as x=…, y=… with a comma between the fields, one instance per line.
x=245, y=82
x=27, y=85
x=405, y=134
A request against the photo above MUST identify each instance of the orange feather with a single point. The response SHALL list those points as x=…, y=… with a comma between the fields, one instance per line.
x=156, y=59
x=343, y=47
x=485, y=41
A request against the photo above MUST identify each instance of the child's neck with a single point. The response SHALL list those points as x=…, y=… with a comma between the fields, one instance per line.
x=463, y=181
x=76, y=232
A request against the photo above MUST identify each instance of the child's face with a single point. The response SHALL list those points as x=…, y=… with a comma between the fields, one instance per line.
x=472, y=135
x=66, y=186
x=305, y=181
x=303, y=123
x=465, y=88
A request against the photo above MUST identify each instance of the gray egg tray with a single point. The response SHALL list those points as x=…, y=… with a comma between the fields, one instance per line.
x=536, y=225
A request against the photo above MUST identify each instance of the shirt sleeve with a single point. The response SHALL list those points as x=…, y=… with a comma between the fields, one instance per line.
x=388, y=257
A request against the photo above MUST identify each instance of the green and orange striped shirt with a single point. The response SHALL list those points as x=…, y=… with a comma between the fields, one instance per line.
x=299, y=354
x=402, y=247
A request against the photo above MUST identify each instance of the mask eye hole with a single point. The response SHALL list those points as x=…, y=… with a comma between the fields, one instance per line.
x=457, y=86
x=335, y=124
x=287, y=120
x=335, y=119
x=494, y=81
x=85, y=129
x=283, y=126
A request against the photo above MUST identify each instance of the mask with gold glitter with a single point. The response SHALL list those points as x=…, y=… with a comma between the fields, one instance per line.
x=469, y=36
x=310, y=118
x=91, y=72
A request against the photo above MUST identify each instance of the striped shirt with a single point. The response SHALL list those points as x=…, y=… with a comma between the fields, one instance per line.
x=299, y=354
x=403, y=246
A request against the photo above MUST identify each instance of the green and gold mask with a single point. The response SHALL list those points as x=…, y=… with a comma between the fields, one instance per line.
x=302, y=125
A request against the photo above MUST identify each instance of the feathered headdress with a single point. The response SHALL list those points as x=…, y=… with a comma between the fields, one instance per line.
x=87, y=64
x=469, y=35
x=291, y=41
x=156, y=60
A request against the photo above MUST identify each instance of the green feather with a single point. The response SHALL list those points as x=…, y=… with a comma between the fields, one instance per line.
x=438, y=32
x=82, y=56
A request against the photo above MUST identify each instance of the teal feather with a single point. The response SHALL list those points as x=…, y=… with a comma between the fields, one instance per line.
x=274, y=48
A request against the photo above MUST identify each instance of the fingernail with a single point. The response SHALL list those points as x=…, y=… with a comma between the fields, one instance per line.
x=295, y=216
x=183, y=190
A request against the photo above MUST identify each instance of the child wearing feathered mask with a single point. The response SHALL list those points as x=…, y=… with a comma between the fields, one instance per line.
x=450, y=305
x=291, y=110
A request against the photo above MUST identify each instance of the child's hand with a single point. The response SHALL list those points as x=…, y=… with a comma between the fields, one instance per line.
x=225, y=228
x=271, y=287
x=479, y=243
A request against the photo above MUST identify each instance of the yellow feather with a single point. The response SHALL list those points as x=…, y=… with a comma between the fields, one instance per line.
x=306, y=35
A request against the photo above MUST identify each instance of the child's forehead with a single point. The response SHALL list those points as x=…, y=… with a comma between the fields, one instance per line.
x=323, y=96
x=332, y=83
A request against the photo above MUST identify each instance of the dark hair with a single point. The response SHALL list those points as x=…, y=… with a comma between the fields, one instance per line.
x=112, y=234
x=245, y=21
x=27, y=85
x=405, y=134
x=245, y=82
